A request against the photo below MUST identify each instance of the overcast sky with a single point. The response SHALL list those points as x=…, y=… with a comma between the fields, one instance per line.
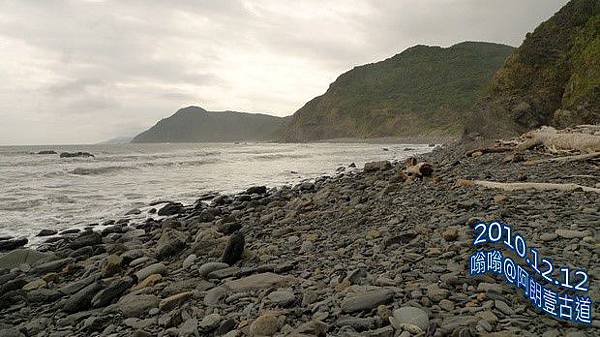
x=86, y=71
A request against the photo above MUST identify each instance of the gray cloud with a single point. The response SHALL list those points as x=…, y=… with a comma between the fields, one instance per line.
x=84, y=71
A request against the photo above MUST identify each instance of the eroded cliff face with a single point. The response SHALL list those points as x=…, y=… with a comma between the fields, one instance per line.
x=553, y=78
x=425, y=91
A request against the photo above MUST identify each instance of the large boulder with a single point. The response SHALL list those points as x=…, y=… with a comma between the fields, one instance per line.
x=76, y=154
x=47, y=232
x=51, y=266
x=82, y=299
x=256, y=282
x=137, y=305
x=170, y=243
x=11, y=244
x=234, y=249
x=112, y=265
x=86, y=239
x=377, y=166
x=171, y=208
x=367, y=301
x=105, y=296
x=407, y=317
x=156, y=268
x=21, y=256
x=257, y=190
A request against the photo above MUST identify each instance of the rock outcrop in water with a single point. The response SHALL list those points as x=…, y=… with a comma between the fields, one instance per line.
x=375, y=253
x=196, y=125
x=79, y=154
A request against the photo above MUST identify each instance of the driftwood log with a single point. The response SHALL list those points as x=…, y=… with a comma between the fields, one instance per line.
x=490, y=150
x=567, y=159
x=526, y=186
x=414, y=169
x=552, y=138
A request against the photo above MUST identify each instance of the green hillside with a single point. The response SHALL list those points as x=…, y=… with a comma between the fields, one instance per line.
x=421, y=91
x=196, y=125
x=552, y=79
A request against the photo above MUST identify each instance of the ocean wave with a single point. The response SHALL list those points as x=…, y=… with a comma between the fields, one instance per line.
x=87, y=171
x=21, y=205
x=182, y=163
x=282, y=156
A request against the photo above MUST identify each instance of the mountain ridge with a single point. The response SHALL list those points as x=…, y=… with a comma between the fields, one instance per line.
x=195, y=124
x=553, y=78
x=400, y=96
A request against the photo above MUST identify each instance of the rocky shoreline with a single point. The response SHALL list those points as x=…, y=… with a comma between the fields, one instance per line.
x=372, y=253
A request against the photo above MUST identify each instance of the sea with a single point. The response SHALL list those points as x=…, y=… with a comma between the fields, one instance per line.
x=47, y=192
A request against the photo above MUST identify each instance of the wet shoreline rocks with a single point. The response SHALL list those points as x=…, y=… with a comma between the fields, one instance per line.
x=78, y=154
x=370, y=253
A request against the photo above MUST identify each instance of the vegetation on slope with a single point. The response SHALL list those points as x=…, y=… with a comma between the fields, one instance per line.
x=552, y=79
x=195, y=125
x=421, y=91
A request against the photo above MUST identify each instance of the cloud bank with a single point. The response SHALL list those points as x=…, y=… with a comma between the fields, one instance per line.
x=85, y=71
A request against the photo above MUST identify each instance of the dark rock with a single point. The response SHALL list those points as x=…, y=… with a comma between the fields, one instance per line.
x=358, y=324
x=234, y=249
x=134, y=211
x=81, y=300
x=12, y=297
x=171, y=208
x=70, y=231
x=11, y=332
x=221, y=200
x=225, y=326
x=136, y=305
x=96, y=323
x=54, y=239
x=47, y=152
x=170, y=243
x=6, y=245
x=51, y=266
x=377, y=166
x=402, y=238
x=367, y=301
x=82, y=252
x=47, y=232
x=105, y=296
x=257, y=190
x=112, y=229
x=86, y=239
x=21, y=256
x=229, y=228
x=77, y=285
x=44, y=295
x=12, y=285
x=76, y=154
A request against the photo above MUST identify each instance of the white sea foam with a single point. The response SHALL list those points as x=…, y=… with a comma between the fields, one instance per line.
x=45, y=191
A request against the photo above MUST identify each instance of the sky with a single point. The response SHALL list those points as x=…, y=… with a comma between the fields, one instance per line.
x=75, y=72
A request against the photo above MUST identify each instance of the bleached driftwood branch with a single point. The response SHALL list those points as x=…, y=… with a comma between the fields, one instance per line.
x=580, y=157
x=551, y=138
x=490, y=150
x=527, y=186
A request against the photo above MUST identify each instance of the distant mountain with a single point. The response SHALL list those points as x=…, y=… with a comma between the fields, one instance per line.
x=194, y=125
x=117, y=140
x=553, y=78
x=421, y=91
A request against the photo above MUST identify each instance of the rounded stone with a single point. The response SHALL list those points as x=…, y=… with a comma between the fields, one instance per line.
x=410, y=315
x=265, y=325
